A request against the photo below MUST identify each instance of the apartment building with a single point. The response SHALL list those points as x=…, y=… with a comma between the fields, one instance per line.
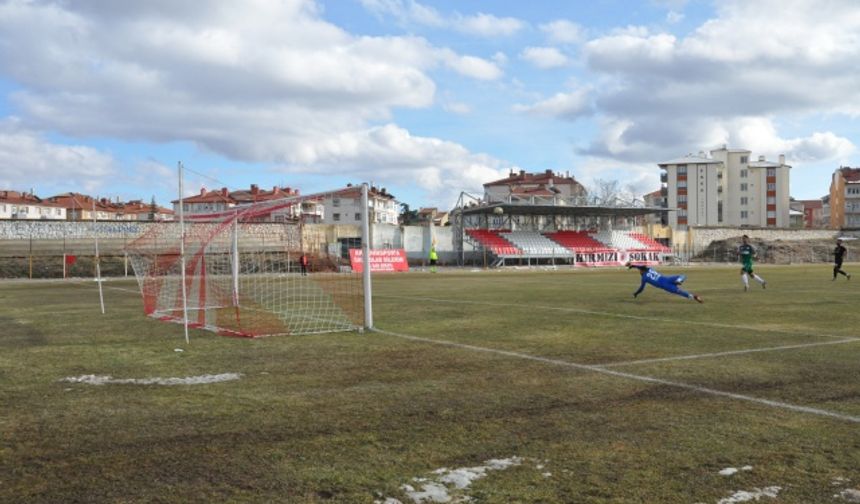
x=726, y=188
x=344, y=207
x=845, y=198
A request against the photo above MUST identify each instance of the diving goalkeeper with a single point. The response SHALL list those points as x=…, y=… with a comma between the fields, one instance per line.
x=670, y=284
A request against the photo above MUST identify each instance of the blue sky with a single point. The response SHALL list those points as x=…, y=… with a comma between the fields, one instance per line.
x=426, y=98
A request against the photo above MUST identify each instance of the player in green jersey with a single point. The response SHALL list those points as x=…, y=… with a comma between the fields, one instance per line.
x=747, y=253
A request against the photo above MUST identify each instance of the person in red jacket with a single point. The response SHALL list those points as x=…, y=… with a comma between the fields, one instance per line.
x=303, y=262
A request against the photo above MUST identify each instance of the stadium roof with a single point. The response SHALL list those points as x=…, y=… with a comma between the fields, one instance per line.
x=572, y=211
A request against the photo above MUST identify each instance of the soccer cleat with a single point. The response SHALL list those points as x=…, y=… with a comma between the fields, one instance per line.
x=849, y=276
x=764, y=285
x=698, y=298
x=746, y=288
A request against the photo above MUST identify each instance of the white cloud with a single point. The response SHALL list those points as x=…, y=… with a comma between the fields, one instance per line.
x=567, y=106
x=728, y=79
x=269, y=82
x=413, y=12
x=673, y=17
x=487, y=25
x=26, y=158
x=389, y=152
x=562, y=31
x=471, y=66
x=457, y=107
x=544, y=57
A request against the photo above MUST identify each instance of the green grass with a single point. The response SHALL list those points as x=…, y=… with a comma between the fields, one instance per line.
x=351, y=418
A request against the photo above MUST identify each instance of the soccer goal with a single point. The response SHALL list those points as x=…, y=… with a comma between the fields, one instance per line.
x=254, y=270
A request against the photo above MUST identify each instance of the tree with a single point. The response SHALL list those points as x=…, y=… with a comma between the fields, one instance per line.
x=153, y=209
x=407, y=216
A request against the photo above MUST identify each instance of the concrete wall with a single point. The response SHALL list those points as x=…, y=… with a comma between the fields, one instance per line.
x=700, y=238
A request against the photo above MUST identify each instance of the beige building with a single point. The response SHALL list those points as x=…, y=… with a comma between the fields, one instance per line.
x=845, y=198
x=726, y=188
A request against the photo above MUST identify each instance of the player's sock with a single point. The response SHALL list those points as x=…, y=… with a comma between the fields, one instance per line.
x=759, y=280
x=746, y=280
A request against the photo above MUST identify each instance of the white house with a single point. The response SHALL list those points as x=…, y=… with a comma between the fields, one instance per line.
x=16, y=205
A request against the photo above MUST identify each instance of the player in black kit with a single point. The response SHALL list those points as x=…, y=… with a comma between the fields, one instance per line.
x=838, y=257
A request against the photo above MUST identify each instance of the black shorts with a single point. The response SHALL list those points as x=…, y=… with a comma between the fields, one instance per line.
x=432, y=262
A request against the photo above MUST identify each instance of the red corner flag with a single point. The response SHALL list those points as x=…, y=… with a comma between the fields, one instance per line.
x=70, y=259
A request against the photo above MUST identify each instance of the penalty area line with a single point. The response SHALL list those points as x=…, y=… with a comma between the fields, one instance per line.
x=727, y=353
x=630, y=376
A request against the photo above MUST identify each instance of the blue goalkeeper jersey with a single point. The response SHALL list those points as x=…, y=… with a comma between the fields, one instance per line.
x=653, y=277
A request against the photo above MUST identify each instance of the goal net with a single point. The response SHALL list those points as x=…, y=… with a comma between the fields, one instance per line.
x=252, y=270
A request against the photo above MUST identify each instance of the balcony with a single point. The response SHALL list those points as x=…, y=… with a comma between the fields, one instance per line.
x=664, y=177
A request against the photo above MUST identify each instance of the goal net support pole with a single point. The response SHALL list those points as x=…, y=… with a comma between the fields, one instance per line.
x=182, y=254
x=365, y=257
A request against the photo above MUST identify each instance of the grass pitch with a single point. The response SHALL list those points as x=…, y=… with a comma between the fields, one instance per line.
x=597, y=396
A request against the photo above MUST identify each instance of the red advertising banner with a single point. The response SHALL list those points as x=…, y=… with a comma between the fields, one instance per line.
x=381, y=260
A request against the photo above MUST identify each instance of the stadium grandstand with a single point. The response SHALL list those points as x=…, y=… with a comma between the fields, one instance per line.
x=547, y=228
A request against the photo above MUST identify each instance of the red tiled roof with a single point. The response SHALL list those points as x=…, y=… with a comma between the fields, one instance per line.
x=850, y=174
x=254, y=194
x=82, y=201
x=533, y=178
x=355, y=192
x=816, y=203
x=15, y=197
x=219, y=196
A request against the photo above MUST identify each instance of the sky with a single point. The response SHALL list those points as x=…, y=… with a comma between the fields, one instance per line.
x=427, y=98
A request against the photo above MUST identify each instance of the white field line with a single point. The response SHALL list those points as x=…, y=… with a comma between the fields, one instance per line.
x=613, y=315
x=630, y=376
x=730, y=352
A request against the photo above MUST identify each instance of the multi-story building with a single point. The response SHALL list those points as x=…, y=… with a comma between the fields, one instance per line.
x=17, y=205
x=726, y=189
x=344, y=207
x=812, y=212
x=535, y=188
x=845, y=198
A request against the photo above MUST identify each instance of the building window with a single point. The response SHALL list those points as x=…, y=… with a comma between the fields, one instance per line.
x=335, y=202
x=771, y=200
x=744, y=214
x=682, y=212
x=744, y=186
x=771, y=214
x=771, y=172
x=682, y=169
x=771, y=186
x=357, y=216
x=745, y=160
x=682, y=198
x=682, y=184
x=335, y=217
x=744, y=200
x=744, y=173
